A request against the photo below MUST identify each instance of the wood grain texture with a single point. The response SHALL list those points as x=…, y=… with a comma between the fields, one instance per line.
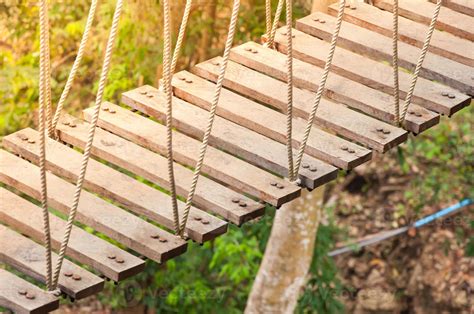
x=351, y=93
x=132, y=194
x=410, y=32
x=336, y=117
x=28, y=257
x=461, y=6
x=378, y=47
x=377, y=75
x=93, y=211
x=26, y=217
x=260, y=151
x=10, y=297
x=327, y=148
x=217, y=164
x=422, y=11
x=210, y=195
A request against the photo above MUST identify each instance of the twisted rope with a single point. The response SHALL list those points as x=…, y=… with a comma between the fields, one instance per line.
x=322, y=85
x=182, y=30
x=421, y=59
x=289, y=79
x=268, y=17
x=75, y=66
x=271, y=37
x=43, y=98
x=47, y=67
x=396, y=85
x=212, y=112
x=90, y=139
x=169, y=118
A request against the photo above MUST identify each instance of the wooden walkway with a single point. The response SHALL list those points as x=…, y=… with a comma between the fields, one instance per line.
x=126, y=187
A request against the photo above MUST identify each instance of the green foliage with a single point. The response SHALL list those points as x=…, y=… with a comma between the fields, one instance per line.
x=212, y=278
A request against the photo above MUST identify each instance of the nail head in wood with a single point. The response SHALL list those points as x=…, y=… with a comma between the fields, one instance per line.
x=76, y=277
x=30, y=296
x=273, y=183
x=235, y=200
x=305, y=165
x=205, y=222
x=155, y=236
x=344, y=147
x=22, y=292
x=111, y=256
x=163, y=240
x=68, y=274
x=31, y=141
x=313, y=169
x=189, y=81
x=242, y=204
x=119, y=260
x=385, y=131
x=197, y=218
x=451, y=96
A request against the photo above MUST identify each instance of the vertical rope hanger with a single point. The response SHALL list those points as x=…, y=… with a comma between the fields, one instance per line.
x=75, y=66
x=421, y=59
x=396, y=84
x=169, y=119
x=322, y=85
x=43, y=99
x=90, y=139
x=212, y=112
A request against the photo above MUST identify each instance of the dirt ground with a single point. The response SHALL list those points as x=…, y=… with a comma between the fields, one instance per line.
x=421, y=272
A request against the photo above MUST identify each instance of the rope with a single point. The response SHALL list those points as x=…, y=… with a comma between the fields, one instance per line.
x=396, y=84
x=47, y=67
x=75, y=66
x=289, y=68
x=421, y=59
x=212, y=112
x=268, y=17
x=271, y=37
x=90, y=139
x=322, y=85
x=169, y=118
x=43, y=98
x=182, y=30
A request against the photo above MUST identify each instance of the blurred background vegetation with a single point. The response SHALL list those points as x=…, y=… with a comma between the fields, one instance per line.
x=438, y=166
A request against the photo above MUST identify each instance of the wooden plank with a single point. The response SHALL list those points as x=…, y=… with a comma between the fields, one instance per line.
x=369, y=72
x=378, y=47
x=25, y=217
x=22, y=297
x=422, y=11
x=210, y=195
x=461, y=6
x=93, y=211
x=114, y=185
x=327, y=148
x=359, y=96
x=219, y=165
x=262, y=152
x=263, y=88
x=28, y=257
x=410, y=32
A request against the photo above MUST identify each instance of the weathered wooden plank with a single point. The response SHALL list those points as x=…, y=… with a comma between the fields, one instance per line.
x=236, y=174
x=112, y=184
x=93, y=211
x=328, y=148
x=410, y=32
x=263, y=152
x=210, y=195
x=84, y=247
x=359, y=96
x=422, y=11
x=261, y=121
x=429, y=94
x=461, y=6
x=28, y=257
x=338, y=118
x=22, y=297
x=378, y=47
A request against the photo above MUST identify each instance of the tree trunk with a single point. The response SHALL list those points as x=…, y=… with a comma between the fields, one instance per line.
x=288, y=256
